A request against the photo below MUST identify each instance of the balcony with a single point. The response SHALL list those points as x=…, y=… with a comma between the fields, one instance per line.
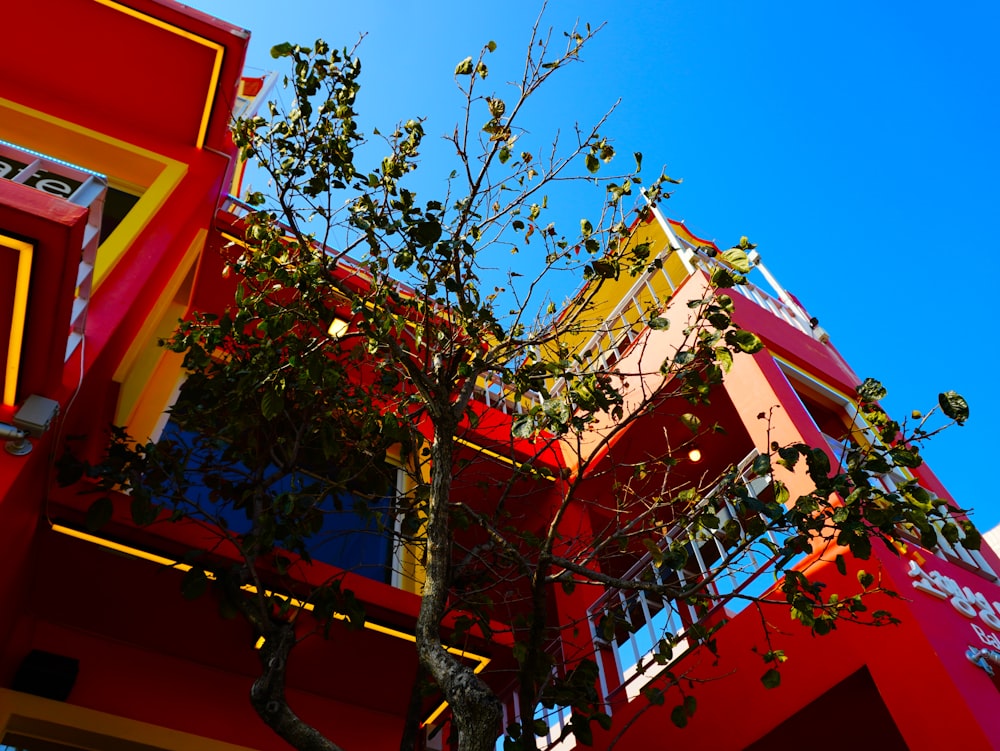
x=680, y=256
x=639, y=633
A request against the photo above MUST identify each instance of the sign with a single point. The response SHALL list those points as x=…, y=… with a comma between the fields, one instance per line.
x=33, y=175
x=43, y=180
x=971, y=604
x=967, y=602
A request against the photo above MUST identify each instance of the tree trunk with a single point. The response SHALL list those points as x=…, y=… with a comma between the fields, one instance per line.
x=267, y=695
x=475, y=709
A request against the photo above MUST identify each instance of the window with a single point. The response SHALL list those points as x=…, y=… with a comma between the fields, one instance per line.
x=354, y=529
x=834, y=414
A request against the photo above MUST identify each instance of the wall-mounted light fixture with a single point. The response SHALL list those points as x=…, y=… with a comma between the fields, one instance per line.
x=337, y=328
x=694, y=453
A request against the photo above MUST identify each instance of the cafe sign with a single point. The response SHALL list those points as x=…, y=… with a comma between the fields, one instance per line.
x=39, y=172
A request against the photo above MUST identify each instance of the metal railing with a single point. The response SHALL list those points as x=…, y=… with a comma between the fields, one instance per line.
x=650, y=630
x=891, y=482
x=944, y=549
x=626, y=322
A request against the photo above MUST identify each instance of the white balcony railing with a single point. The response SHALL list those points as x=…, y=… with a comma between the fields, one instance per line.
x=891, y=482
x=647, y=623
x=630, y=317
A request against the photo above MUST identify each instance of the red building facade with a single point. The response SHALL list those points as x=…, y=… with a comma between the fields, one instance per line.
x=114, y=179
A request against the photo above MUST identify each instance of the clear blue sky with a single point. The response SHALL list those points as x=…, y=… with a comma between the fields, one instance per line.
x=857, y=143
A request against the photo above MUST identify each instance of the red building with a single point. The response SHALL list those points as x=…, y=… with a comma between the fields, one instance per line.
x=115, y=167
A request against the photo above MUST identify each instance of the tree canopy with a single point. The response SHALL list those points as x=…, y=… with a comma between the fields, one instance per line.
x=372, y=322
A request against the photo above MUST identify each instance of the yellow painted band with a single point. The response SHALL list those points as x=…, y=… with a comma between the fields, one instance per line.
x=25, y=253
x=155, y=175
x=481, y=660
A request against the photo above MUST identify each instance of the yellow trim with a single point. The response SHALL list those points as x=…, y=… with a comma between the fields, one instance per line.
x=148, y=373
x=501, y=458
x=119, y=548
x=79, y=727
x=145, y=555
x=858, y=426
x=155, y=174
x=216, y=65
x=25, y=253
x=78, y=145
x=851, y=399
x=114, y=247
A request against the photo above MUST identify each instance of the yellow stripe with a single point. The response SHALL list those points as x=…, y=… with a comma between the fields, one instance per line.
x=482, y=660
x=25, y=253
x=500, y=457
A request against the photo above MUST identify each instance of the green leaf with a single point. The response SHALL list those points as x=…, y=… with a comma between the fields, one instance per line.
x=281, y=50
x=746, y=341
x=194, y=584
x=491, y=46
x=143, y=510
x=771, y=679
x=871, y=390
x=464, y=68
x=972, y=540
x=581, y=729
x=271, y=404
x=954, y=406
x=905, y=457
x=658, y=323
x=593, y=163
x=722, y=278
x=426, y=233
x=691, y=422
x=841, y=565
x=654, y=696
x=789, y=456
x=762, y=465
x=557, y=411
x=725, y=358
x=523, y=426
x=737, y=259
x=99, y=513
x=679, y=716
x=865, y=579
x=690, y=705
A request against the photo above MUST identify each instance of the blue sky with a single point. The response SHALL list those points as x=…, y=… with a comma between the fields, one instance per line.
x=856, y=143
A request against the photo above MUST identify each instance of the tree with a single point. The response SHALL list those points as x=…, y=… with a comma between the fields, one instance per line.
x=324, y=364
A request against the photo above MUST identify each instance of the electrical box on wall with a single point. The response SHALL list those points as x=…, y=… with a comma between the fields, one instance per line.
x=36, y=414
